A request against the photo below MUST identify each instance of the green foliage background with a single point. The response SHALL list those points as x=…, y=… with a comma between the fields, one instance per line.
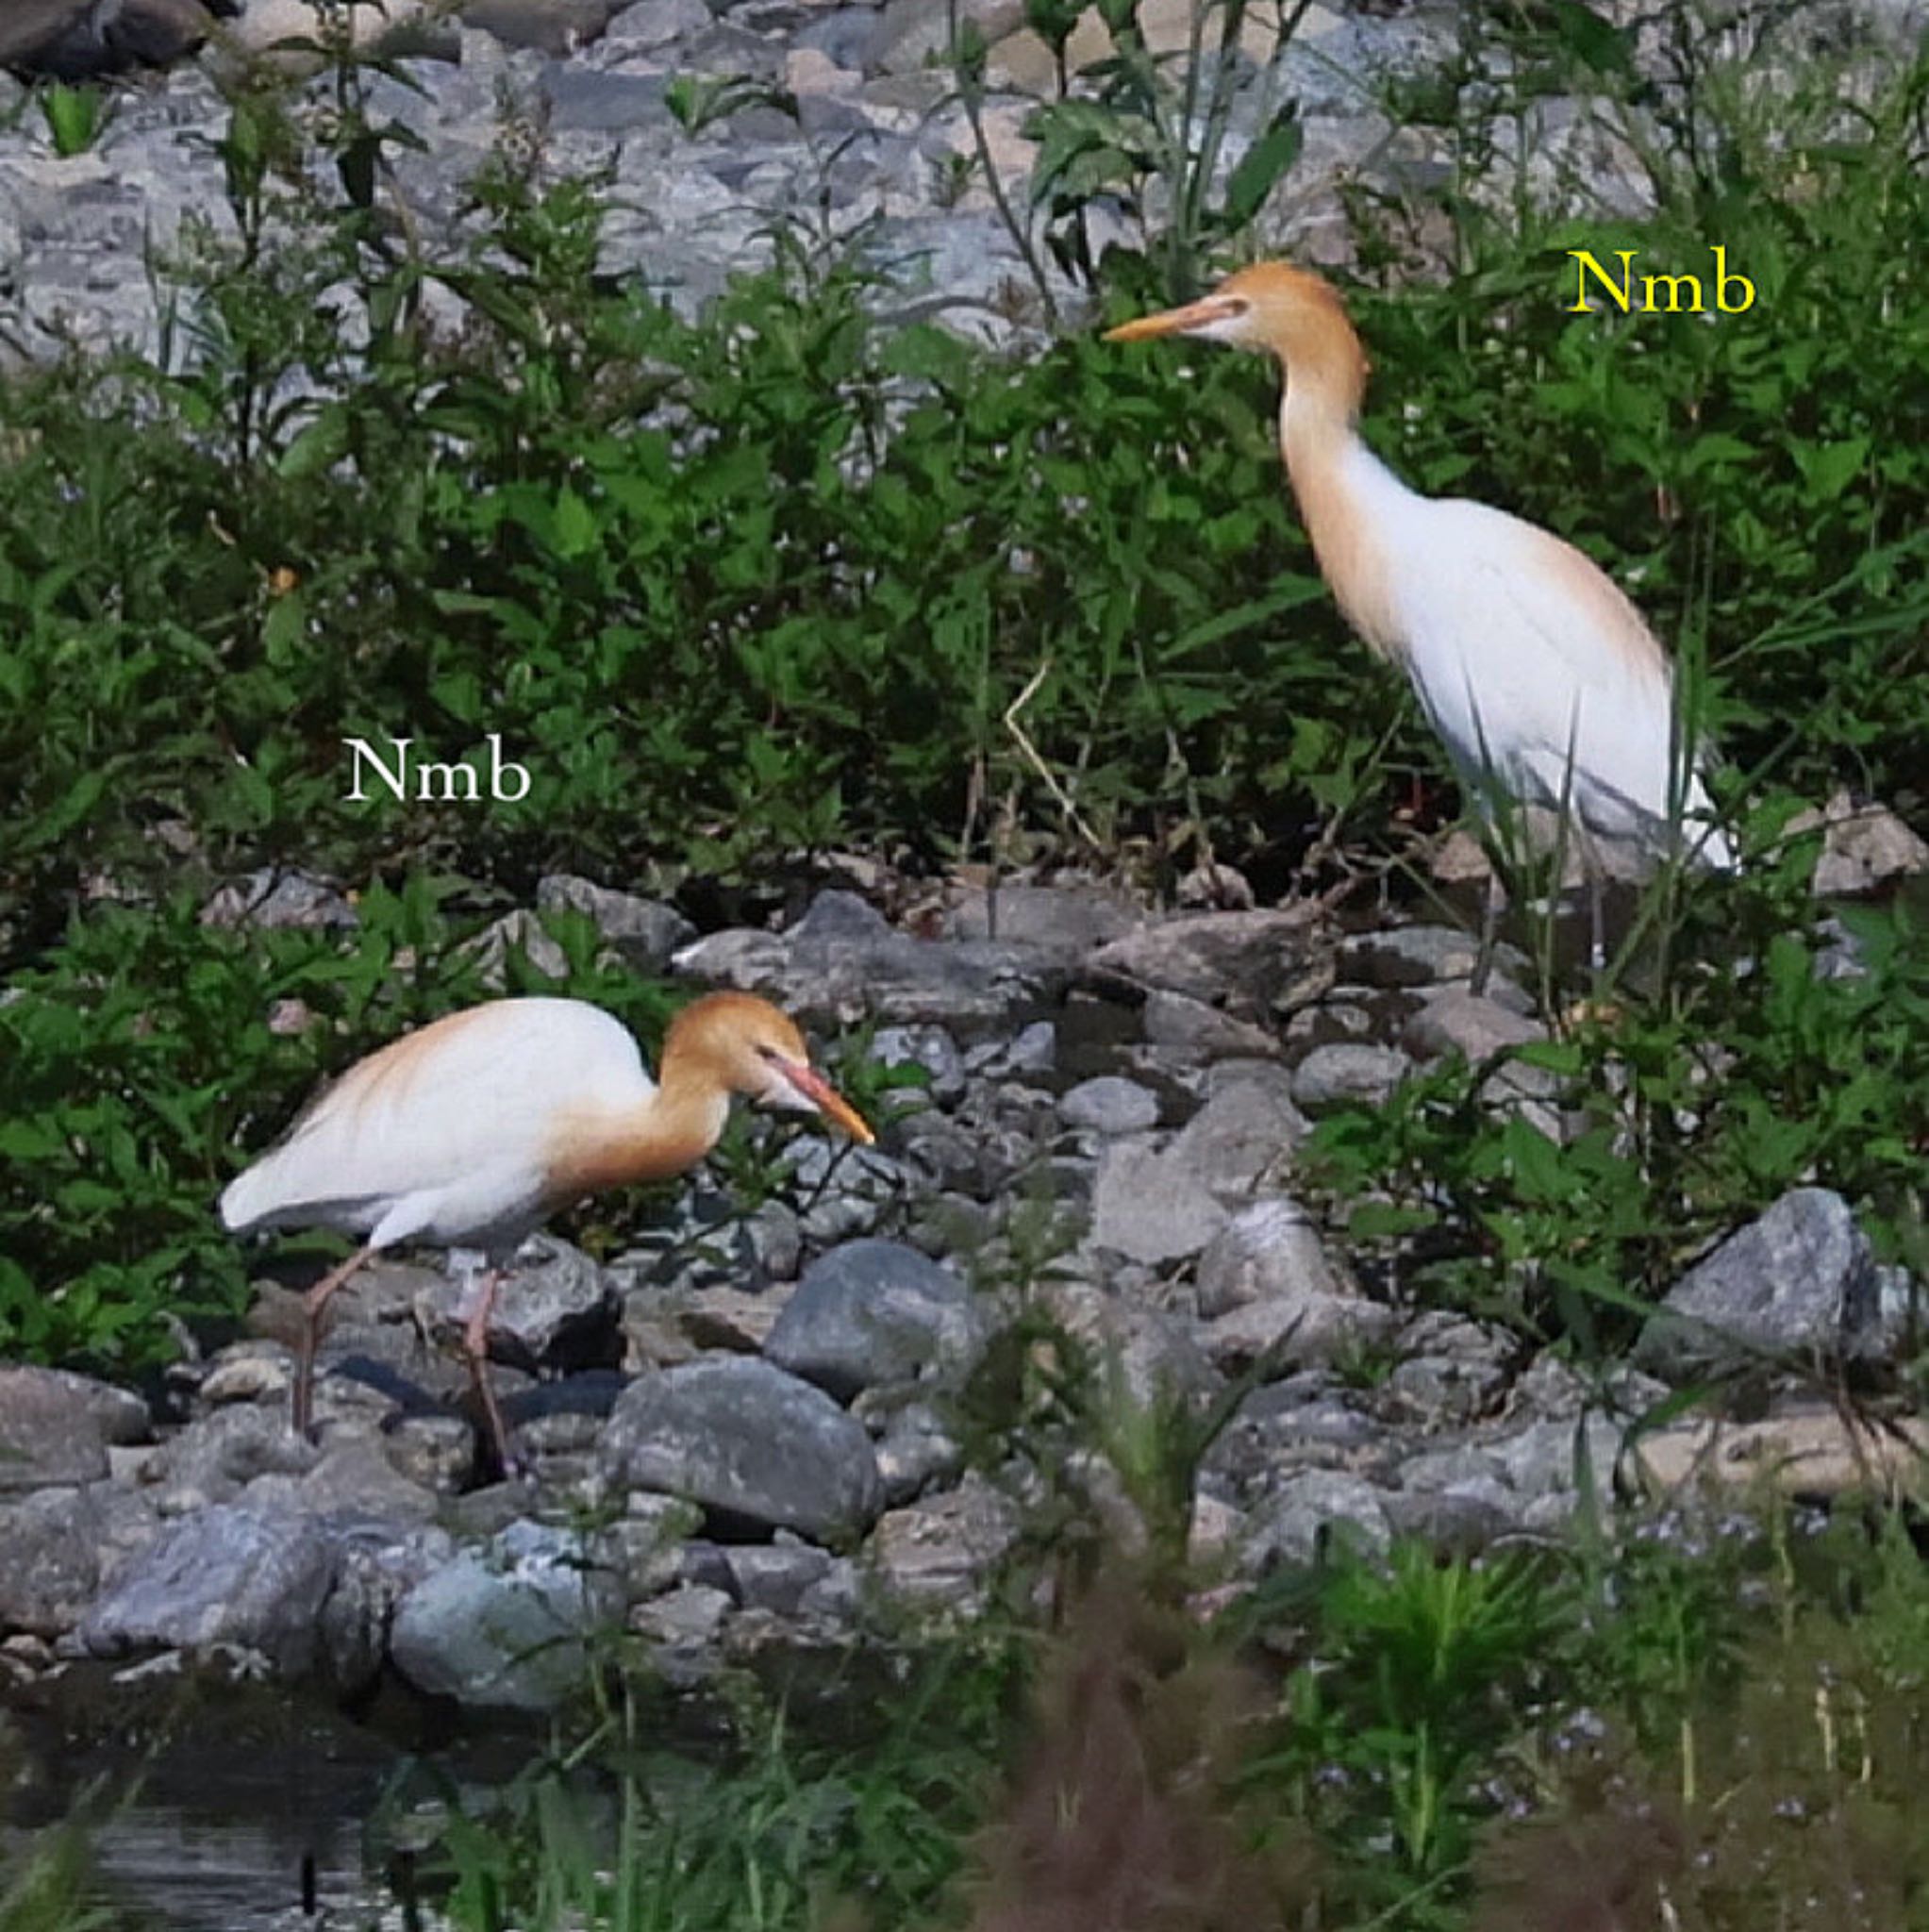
x=744, y=589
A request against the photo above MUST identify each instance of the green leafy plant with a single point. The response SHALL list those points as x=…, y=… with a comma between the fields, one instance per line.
x=701, y=100
x=75, y=117
x=1145, y=130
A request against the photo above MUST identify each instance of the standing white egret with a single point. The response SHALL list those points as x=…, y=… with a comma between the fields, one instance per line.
x=1539, y=675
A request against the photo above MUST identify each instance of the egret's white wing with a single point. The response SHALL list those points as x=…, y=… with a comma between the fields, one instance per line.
x=1527, y=656
x=480, y=1093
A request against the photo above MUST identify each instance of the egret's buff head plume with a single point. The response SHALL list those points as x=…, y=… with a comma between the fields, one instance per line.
x=1273, y=306
x=749, y=1047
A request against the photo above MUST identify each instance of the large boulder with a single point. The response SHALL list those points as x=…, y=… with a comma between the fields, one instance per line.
x=873, y=1314
x=74, y=40
x=757, y=1449
x=506, y=1626
x=1801, y=1282
x=227, y=1575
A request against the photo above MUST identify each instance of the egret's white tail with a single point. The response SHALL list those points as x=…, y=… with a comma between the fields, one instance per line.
x=249, y=1198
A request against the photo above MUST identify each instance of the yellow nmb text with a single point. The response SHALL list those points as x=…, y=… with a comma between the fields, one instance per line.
x=1686, y=294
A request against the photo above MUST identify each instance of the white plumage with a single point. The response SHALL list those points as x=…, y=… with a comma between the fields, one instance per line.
x=447, y=1135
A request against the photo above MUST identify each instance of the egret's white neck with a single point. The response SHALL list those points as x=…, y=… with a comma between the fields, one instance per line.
x=1355, y=507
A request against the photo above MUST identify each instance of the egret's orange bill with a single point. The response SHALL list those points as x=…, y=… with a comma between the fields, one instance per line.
x=831, y=1104
x=1171, y=322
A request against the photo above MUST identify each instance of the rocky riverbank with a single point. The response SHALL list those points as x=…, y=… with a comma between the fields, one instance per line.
x=838, y=125
x=747, y=1430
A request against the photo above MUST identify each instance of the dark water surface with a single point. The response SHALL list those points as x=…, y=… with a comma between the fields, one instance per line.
x=219, y=1808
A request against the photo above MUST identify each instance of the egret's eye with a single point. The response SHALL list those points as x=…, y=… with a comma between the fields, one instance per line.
x=768, y=1052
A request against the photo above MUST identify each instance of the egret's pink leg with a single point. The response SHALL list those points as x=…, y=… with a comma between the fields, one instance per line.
x=475, y=1346
x=1490, y=931
x=313, y=1302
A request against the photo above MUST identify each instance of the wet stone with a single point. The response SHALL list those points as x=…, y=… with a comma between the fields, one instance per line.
x=878, y=1313
x=756, y=1448
x=1344, y=1074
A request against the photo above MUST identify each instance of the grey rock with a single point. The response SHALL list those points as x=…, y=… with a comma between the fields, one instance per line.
x=718, y=1317
x=1068, y=921
x=642, y=932
x=1034, y=1049
x=1244, y=1128
x=1460, y=1022
x=1329, y=1022
x=951, y=1225
x=220, y=1454
x=1462, y=1468
x=1251, y=963
x=1460, y=1520
x=688, y=1618
x=1455, y=1369
x=355, y=1475
x=648, y=24
x=74, y=40
x=62, y=1546
x=1863, y=848
x=56, y=1427
x=560, y=1449
x=930, y=1047
x=1184, y=1025
x=1543, y=1460
x=1297, y=1521
x=1109, y=1106
x=226, y=1575
x=845, y=36
x=376, y=1565
x=52, y=1570
x=583, y=101
x=514, y=932
x=1267, y=1252
x=846, y=1191
x=1339, y=1076
x=914, y=34
x=1157, y=1203
x=939, y=1554
x=835, y=1600
x=841, y=963
x=1550, y=1391
x=1305, y=1430
x=1294, y=1330
x=1152, y=1353
x=750, y=1443
x=505, y=1627
x=556, y=26
x=915, y=1451
x=1419, y=956
x=1902, y=1314
x=775, y=1577
x=272, y=899
x=1800, y=1281
x=774, y=1236
x=1150, y=1207
x=554, y=1308
x=642, y=1548
x=943, y=1157
x=878, y=1313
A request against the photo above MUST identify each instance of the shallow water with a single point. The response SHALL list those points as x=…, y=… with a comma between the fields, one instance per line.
x=220, y=1811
